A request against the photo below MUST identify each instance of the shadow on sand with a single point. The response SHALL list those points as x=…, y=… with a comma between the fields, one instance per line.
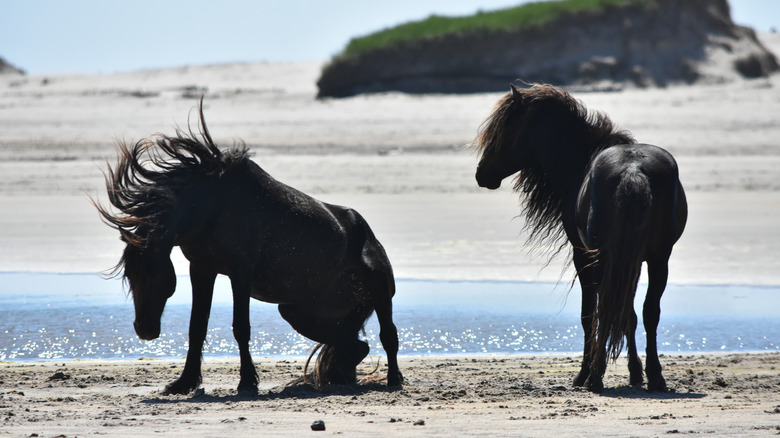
x=638, y=392
x=292, y=392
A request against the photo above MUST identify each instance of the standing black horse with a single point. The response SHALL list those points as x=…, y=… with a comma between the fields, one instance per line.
x=617, y=202
x=321, y=263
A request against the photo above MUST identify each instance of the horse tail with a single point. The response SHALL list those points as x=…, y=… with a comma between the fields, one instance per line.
x=318, y=377
x=620, y=259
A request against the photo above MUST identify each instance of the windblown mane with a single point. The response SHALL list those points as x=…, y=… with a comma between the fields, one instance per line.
x=579, y=135
x=149, y=175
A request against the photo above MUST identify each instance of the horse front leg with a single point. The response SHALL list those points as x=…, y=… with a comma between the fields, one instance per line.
x=241, y=331
x=658, y=273
x=202, y=292
x=587, y=276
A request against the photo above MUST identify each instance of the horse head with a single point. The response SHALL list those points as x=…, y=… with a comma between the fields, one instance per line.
x=498, y=141
x=151, y=187
x=515, y=134
x=152, y=280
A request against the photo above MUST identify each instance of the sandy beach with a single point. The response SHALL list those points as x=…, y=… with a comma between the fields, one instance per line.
x=400, y=160
x=712, y=395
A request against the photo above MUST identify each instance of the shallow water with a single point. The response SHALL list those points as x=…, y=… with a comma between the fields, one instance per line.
x=82, y=316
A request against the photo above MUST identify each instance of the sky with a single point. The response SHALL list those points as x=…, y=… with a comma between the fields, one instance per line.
x=108, y=36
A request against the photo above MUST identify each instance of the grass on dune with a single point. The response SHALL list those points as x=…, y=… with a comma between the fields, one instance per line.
x=524, y=16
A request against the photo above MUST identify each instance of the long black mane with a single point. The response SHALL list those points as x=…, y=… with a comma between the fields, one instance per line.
x=149, y=174
x=582, y=135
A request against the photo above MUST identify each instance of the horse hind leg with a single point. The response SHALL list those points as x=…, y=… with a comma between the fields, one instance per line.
x=599, y=357
x=374, y=287
x=598, y=366
x=634, y=362
x=342, y=350
x=658, y=273
x=388, y=335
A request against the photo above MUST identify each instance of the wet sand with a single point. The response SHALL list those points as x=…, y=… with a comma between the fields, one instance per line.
x=518, y=395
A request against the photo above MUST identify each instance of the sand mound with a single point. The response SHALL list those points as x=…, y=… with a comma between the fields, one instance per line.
x=6, y=68
x=636, y=44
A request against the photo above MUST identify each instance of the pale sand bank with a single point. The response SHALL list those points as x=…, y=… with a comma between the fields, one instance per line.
x=464, y=236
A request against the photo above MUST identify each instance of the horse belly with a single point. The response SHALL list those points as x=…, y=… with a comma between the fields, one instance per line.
x=266, y=295
x=294, y=283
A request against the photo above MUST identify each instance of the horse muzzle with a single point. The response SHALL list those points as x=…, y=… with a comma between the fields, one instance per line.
x=486, y=181
x=147, y=330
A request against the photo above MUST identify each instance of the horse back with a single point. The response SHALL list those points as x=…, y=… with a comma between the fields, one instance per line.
x=287, y=241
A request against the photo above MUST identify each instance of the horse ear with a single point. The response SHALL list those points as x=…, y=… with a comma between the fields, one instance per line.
x=515, y=92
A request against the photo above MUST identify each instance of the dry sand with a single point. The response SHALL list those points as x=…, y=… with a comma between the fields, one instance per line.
x=398, y=159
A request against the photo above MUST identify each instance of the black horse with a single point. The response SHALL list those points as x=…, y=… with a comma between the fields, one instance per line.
x=617, y=202
x=320, y=263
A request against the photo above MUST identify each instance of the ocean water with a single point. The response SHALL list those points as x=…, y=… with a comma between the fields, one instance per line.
x=83, y=316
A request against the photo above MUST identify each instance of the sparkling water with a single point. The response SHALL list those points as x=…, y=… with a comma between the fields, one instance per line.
x=83, y=316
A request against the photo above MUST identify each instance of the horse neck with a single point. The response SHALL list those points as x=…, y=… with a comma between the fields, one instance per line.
x=563, y=162
x=142, y=263
x=190, y=214
x=569, y=151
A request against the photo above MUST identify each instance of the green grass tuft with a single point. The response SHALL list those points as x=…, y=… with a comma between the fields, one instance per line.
x=525, y=16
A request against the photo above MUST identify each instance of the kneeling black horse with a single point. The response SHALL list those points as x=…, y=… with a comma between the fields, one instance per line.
x=320, y=263
x=617, y=202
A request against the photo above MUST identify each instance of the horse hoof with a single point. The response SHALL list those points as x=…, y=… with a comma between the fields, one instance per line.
x=177, y=388
x=395, y=381
x=580, y=380
x=247, y=391
x=657, y=386
x=596, y=387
